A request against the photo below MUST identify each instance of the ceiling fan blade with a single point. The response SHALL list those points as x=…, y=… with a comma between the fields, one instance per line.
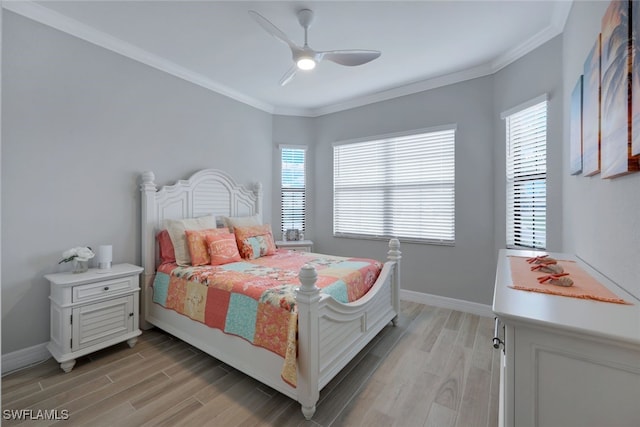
x=290, y=74
x=351, y=57
x=272, y=29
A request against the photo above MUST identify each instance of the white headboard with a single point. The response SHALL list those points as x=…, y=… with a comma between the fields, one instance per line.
x=207, y=192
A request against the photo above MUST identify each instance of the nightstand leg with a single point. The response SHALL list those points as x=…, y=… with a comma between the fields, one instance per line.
x=132, y=341
x=68, y=365
x=394, y=321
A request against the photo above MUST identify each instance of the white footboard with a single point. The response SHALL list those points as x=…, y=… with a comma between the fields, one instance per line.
x=331, y=333
x=347, y=329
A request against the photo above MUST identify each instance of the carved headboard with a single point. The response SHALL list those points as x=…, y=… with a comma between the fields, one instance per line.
x=207, y=192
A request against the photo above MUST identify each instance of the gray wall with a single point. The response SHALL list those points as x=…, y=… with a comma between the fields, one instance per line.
x=534, y=74
x=602, y=216
x=79, y=125
x=464, y=271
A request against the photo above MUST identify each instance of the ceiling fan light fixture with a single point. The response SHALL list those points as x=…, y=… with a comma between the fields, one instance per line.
x=306, y=63
x=305, y=58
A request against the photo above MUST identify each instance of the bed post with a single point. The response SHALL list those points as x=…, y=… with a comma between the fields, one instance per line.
x=395, y=255
x=257, y=190
x=148, y=190
x=307, y=298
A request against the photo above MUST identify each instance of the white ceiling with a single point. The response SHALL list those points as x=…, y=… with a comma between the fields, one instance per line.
x=216, y=44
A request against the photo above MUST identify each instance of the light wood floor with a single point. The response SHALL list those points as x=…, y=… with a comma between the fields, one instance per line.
x=436, y=368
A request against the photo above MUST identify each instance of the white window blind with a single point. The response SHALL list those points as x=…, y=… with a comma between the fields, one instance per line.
x=293, y=204
x=402, y=186
x=527, y=177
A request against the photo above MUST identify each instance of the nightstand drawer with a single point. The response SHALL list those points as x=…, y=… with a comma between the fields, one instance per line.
x=295, y=245
x=101, y=289
x=300, y=249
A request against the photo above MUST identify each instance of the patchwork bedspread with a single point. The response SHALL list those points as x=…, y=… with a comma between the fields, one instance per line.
x=255, y=299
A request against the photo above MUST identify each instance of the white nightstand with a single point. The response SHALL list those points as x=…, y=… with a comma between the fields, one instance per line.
x=93, y=310
x=295, y=245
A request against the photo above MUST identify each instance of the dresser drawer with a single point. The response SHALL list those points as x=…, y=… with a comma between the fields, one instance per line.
x=101, y=289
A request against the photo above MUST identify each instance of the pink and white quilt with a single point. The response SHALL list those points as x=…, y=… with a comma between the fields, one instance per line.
x=255, y=299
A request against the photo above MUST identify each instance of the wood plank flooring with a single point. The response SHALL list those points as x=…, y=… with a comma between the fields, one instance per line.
x=436, y=368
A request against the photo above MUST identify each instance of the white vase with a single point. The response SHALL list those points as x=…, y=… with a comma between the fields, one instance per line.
x=79, y=266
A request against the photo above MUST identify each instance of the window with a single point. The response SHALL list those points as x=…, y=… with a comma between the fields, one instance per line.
x=399, y=186
x=527, y=175
x=292, y=185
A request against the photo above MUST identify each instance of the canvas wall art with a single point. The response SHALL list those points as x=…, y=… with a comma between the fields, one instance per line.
x=615, y=145
x=591, y=112
x=575, y=141
x=635, y=79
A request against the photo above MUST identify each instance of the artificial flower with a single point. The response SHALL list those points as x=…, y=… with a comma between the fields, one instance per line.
x=81, y=253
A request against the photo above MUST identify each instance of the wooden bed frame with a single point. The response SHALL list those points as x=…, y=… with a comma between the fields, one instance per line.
x=330, y=333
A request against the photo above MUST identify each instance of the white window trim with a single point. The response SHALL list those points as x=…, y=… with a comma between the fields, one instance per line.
x=452, y=126
x=299, y=147
x=433, y=129
x=517, y=109
x=524, y=105
x=306, y=157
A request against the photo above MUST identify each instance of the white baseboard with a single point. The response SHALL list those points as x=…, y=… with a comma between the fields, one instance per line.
x=24, y=358
x=445, y=302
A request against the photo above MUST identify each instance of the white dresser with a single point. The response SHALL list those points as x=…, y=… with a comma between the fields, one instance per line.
x=93, y=310
x=566, y=361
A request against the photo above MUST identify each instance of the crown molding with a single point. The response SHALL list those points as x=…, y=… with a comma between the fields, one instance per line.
x=396, y=92
x=561, y=14
x=558, y=21
x=527, y=46
x=60, y=22
x=46, y=16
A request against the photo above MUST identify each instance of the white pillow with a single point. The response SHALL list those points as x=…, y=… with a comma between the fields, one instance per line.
x=176, y=229
x=241, y=221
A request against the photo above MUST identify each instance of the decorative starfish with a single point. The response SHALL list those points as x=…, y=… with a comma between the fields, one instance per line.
x=550, y=268
x=542, y=259
x=556, y=279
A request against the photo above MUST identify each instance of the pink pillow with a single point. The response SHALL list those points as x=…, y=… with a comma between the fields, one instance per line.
x=197, y=244
x=223, y=248
x=255, y=241
x=167, y=254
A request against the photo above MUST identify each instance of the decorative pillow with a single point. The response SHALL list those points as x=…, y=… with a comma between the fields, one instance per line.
x=223, y=248
x=197, y=244
x=167, y=254
x=255, y=241
x=241, y=221
x=177, y=228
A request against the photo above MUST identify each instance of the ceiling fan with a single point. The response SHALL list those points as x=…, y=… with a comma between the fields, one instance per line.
x=304, y=57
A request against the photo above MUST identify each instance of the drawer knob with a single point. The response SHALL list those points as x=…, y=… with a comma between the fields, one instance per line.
x=106, y=288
